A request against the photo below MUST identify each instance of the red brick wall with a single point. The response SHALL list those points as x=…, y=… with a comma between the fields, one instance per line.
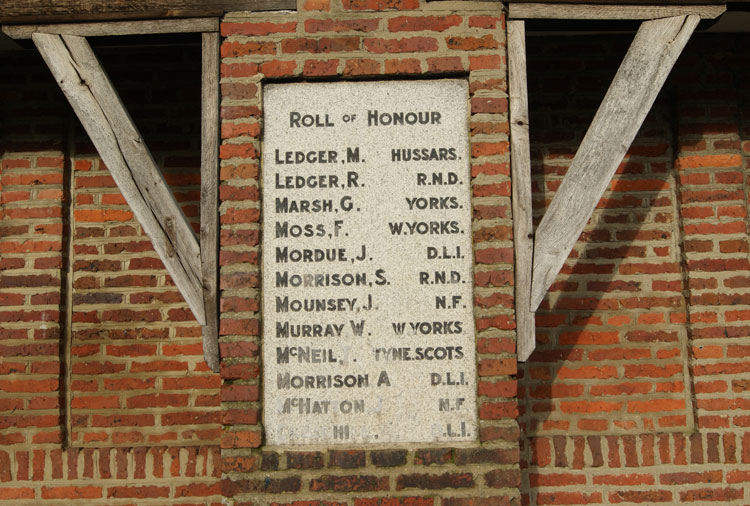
x=132, y=375
x=658, y=284
x=611, y=334
x=138, y=374
x=637, y=393
x=31, y=244
x=355, y=39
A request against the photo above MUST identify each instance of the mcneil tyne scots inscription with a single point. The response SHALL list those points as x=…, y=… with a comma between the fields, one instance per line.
x=368, y=329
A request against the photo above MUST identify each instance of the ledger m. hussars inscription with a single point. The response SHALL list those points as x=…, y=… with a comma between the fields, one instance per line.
x=368, y=328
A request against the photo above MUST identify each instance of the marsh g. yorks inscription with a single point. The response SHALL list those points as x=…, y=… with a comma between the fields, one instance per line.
x=368, y=328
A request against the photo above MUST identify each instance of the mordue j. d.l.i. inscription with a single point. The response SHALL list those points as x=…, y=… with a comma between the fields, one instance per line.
x=368, y=328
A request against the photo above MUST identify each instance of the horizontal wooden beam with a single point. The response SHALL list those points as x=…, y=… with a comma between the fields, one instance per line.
x=121, y=147
x=62, y=11
x=116, y=28
x=651, y=56
x=598, y=11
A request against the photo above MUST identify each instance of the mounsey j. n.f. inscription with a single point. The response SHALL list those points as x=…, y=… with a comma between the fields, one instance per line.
x=368, y=328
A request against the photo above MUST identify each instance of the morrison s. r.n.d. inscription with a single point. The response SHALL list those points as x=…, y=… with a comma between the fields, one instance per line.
x=368, y=329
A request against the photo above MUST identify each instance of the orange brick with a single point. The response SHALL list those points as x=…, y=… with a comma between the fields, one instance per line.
x=656, y=405
x=589, y=406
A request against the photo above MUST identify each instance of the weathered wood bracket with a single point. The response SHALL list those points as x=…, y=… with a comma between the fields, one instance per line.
x=521, y=187
x=209, y=237
x=105, y=119
x=633, y=91
x=642, y=73
x=601, y=11
x=116, y=28
x=92, y=96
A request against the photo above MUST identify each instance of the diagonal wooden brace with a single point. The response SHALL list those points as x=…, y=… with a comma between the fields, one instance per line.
x=633, y=91
x=97, y=105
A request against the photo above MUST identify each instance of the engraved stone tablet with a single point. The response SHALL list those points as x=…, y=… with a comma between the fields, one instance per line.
x=368, y=329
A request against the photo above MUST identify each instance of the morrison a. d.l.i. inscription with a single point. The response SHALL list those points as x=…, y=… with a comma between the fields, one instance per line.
x=368, y=329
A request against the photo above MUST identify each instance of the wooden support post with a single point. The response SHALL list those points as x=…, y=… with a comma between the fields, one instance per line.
x=210, y=196
x=521, y=186
x=97, y=105
x=641, y=75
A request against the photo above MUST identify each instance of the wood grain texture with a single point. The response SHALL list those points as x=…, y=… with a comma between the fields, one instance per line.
x=521, y=186
x=634, y=88
x=53, y=11
x=598, y=11
x=98, y=107
x=209, y=238
x=116, y=28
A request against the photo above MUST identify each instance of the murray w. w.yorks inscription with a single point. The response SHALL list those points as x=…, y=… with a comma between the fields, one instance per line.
x=368, y=329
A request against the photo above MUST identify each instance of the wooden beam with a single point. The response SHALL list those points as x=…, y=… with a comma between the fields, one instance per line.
x=116, y=28
x=598, y=11
x=97, y=105
x=634, y=88
x=209, y=236
x=523, y=242
x=64, y=11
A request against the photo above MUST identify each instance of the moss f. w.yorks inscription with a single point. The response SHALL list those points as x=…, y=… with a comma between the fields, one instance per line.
x=368, y=333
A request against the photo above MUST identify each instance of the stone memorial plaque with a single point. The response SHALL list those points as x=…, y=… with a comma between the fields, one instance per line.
x=368, y=328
